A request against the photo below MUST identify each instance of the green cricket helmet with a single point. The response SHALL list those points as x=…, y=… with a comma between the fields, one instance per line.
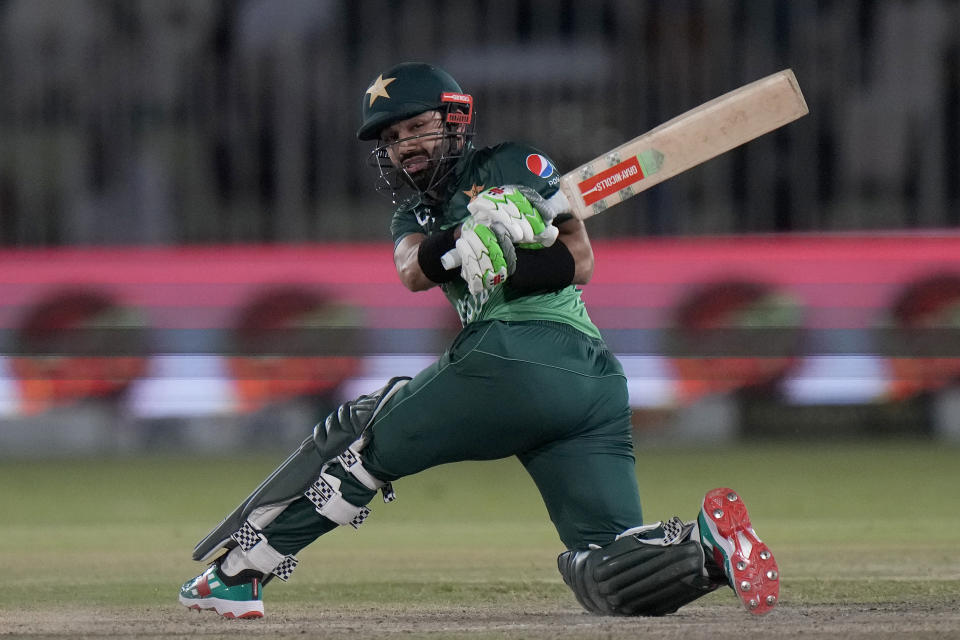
x=408, y=89
x=405, y=91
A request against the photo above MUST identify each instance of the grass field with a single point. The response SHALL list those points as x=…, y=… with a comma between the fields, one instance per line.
x=865, y=536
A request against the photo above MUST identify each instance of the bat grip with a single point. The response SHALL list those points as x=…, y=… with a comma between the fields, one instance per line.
x=450, y=260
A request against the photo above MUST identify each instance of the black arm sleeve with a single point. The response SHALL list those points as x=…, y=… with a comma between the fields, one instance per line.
x=431, y=250
x=548, y=269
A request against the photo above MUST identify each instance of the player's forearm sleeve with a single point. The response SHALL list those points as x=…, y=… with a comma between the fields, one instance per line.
x=548, y=269
x=431, y=250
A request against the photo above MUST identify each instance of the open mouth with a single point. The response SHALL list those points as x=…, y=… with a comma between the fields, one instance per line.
x=415, y=164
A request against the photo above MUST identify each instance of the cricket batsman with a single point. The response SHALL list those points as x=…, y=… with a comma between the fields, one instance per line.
x=528, y=376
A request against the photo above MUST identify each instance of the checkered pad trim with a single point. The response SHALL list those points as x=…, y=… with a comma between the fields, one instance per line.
x=389, y=495
x=323, y=495
x=247, y=536
x=361, y=516
x=672, y=530
x=348, y=458
x=351, y=462
x=285, y=568
x=320, y=493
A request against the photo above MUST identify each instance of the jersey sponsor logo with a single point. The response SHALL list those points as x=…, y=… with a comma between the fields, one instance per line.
x=539, y=165
x=608, y=182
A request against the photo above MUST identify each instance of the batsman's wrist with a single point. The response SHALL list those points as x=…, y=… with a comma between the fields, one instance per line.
x=549, y=269
x=431, y=251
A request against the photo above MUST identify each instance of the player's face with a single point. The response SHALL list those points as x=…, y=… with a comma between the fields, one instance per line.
x=412, y=144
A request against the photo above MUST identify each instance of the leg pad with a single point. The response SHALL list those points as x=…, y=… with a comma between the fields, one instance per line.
x=336, y=440
x=630, y=577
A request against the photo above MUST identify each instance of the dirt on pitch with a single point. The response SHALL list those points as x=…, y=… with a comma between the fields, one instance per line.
x=713, y=622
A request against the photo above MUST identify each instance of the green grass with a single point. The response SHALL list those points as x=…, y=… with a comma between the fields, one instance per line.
x=850, y=523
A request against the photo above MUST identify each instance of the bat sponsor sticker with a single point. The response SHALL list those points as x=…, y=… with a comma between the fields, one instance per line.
x=539, y=165
x=620, y=176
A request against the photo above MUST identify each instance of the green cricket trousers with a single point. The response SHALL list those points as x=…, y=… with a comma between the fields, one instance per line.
x=542, y=391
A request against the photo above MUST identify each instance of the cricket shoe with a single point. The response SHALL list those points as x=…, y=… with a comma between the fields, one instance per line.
x=208, y=591
x=729, y=539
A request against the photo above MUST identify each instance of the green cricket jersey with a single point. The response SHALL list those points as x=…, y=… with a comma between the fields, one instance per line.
x=479, y=169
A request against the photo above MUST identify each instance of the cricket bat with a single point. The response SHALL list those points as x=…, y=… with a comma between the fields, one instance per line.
x=689, y=139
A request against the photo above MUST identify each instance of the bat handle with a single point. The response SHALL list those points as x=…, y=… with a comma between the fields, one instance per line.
x=450, y=260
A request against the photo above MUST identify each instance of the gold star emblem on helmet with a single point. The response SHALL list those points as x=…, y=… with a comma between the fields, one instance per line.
x=474, y=191
x=379, y=89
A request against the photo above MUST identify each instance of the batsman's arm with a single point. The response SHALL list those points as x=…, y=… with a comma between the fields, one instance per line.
x=573, y=234
x=568, y=260
x=406, y=260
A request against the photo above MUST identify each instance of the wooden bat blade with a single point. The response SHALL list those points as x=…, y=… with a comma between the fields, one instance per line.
x=691, y=138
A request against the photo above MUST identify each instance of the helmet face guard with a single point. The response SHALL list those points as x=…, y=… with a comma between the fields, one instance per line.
x=455, y=130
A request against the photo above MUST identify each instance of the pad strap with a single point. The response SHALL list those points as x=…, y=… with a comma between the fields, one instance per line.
x=254, y=552
x=325, y=495
x=672, y=531
x=351, y=462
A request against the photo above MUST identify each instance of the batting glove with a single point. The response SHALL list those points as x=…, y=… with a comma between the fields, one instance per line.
x=510, y=210
x=486, y=260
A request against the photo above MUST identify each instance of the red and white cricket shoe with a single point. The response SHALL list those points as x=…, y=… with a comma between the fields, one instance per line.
x=729, y=539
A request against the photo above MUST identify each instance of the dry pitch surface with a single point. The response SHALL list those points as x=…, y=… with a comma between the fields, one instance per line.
x=502, y=621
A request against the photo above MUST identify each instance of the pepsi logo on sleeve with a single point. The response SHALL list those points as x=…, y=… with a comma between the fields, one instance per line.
x=539, y=165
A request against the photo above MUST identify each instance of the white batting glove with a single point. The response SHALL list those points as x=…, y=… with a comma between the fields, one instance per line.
x=509, y=211
x=549, y=209
x=485, y=260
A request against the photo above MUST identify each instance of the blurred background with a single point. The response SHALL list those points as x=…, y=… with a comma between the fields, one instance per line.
x=192, y=255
